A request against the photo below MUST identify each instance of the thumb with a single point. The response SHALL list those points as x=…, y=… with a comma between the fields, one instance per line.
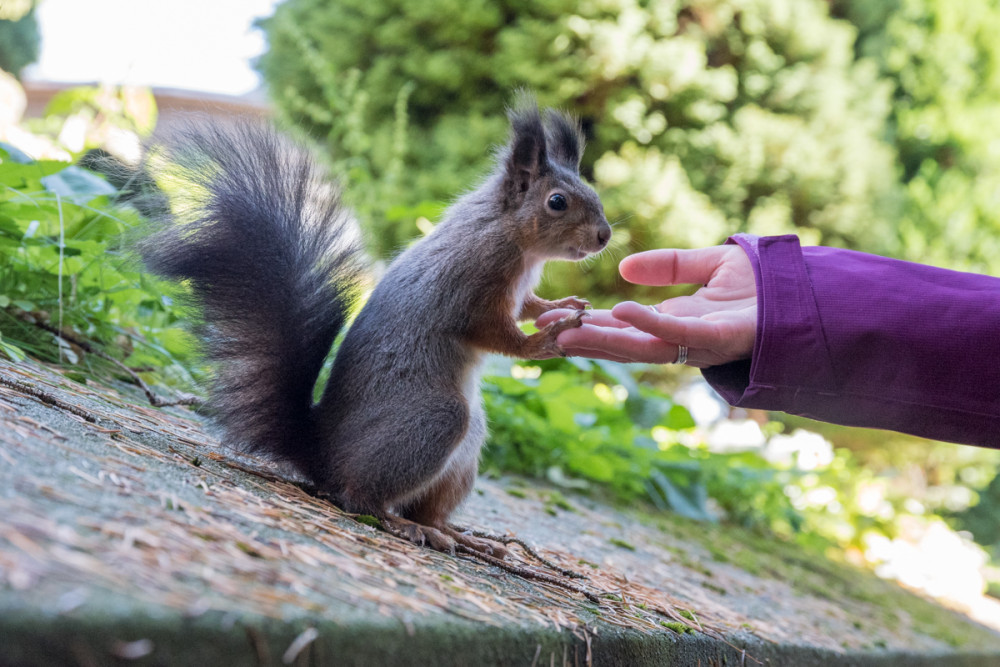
x=673, y=267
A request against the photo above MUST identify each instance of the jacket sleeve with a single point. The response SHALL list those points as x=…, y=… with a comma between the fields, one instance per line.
x=861, y=340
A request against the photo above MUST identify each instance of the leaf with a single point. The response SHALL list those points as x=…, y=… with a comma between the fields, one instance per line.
x=14, y=153
x=620, y=373
x=553, y=382
x=592, y=466
x=32, y=228
x=77, y=185
x=581, y=363
x=13, y=352
x=647, y=411
x=508, y=385
x=556, y=475
x=560, y=414
x=690, y=502
x=679, y=417
x=9, y=226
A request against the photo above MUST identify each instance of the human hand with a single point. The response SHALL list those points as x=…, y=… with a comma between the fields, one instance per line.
x=718, y=323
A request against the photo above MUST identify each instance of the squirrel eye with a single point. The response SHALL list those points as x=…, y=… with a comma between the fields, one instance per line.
x=557, y=202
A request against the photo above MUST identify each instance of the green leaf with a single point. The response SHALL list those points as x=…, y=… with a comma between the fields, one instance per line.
x=647, y=411
x=508, y=385
x=621, y=374
x=690, y=501
x=593, y=466
x=77, y=185
x=556, y=475
x=13, y=352
x=679, y=417
x=14, y=153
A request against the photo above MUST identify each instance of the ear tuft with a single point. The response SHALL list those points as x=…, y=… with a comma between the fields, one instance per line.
x=565, y=138
x=526, y=157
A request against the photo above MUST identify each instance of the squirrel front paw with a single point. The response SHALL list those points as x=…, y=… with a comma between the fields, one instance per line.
x=549, y=346
x=571, y=302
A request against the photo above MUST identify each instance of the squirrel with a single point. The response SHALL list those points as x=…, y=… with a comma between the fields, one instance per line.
x=259, y=232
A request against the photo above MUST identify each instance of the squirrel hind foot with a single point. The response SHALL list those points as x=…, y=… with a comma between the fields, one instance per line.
x=442, y=538
x=419, y=534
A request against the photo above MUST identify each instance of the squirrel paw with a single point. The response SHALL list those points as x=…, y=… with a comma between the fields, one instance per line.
x=419, y=534
x=572, y=302
x=482, y=545
x=549, y=347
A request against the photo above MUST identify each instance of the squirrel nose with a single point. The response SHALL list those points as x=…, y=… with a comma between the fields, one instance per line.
x=604, y=235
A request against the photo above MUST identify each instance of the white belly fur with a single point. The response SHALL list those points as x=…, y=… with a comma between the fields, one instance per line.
x=523, y=287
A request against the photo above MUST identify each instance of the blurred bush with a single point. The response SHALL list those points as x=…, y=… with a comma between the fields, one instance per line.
x=64, y=263
x=704, y=118
x=20, y=40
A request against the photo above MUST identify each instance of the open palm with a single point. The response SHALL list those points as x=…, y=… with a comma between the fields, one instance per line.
x=717, y=323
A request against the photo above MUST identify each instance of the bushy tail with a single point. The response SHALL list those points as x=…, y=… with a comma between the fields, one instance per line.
x=272, y=257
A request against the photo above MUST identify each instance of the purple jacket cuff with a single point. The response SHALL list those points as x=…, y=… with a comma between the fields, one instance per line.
x=861, y=340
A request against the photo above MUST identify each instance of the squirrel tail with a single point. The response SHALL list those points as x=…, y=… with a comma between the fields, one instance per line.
x=272, y=257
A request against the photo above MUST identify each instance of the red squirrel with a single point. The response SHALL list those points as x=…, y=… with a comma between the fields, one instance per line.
x=258, y=231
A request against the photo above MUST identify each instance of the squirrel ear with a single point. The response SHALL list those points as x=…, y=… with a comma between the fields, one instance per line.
x=565, y=138
x=525, y=156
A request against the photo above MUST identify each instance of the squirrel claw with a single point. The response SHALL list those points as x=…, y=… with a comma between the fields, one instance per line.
x=420, y=534
x=573, y=302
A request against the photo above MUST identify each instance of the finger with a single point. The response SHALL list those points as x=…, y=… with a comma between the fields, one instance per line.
x=690, y=331
x=617, y=344
x=673, y=267
x=596, y=354
x=597, y=317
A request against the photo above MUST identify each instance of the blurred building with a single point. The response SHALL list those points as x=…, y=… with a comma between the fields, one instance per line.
x=170, y=102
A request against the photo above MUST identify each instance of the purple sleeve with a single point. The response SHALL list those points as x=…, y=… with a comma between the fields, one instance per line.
x=861, y=340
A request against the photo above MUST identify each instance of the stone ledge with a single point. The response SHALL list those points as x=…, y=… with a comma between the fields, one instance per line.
x=126, y=532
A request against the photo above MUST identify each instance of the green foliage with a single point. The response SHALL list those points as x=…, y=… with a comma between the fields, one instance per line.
x=983, y=519
x=705, y=118
x=105, y=111
x=589, y=425
x=580, y=423
x=943, y=60
x=61, y=263
x=20, y=40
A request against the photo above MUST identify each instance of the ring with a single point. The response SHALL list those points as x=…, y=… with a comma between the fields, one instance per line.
x=653, y=308
x=682, y=355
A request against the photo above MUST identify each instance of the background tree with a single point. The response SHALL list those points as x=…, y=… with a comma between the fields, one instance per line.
x=943, y=62
x=20, y=40
x=704, y=118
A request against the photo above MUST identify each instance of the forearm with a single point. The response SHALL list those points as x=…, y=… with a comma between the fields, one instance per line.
x=861, y=340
